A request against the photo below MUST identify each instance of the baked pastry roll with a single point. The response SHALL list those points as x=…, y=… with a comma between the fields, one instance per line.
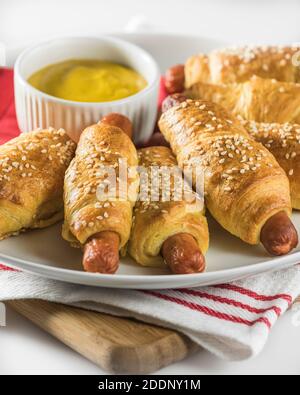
x=230, y=65
x=162, y=213
x=32, y=169
x=244, y=185
x=283, y=141
x=96, y=203
x=258, y=99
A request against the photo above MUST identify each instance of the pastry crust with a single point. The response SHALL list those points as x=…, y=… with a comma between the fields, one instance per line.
x=244, y=184
x=258, y=99
x=283, y=141
x=32, y=169
x=155, y=221
x=86, y=211
x=197, y=69
x=230, y=65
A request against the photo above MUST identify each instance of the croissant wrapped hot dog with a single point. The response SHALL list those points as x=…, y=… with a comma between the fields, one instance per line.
x=32, y=169
x=166, y=227
x=246, y=190
x=231, y=65
x=100, y=222
x=259, y=99
x=283, y=141
x=249, y=101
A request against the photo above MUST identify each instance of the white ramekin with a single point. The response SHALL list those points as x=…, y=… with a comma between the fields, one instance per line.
x=37, y=109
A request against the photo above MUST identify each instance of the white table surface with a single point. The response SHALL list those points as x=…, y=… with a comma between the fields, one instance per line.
x=25, y=349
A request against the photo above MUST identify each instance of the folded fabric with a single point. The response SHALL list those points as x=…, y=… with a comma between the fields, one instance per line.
x=232, y=321
x=8, y=123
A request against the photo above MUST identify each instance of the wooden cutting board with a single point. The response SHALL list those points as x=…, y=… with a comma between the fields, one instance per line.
x=117, y=345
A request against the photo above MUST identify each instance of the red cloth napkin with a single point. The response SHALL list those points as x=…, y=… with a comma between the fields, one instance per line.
x=8, y=122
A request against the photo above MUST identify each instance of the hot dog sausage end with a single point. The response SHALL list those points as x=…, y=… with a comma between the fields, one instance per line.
x=101, y=253
x=119, y=120
x=278, y=235
x=182, y=254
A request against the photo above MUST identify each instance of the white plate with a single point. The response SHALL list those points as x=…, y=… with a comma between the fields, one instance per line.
x=44, y=252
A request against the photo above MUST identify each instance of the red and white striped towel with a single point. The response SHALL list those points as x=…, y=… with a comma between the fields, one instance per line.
x=231, y=320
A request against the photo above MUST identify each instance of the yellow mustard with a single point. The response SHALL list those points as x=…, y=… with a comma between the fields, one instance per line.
x=88, y=80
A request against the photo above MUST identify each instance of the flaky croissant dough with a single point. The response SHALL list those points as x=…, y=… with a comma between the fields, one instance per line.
x=86, y=214
x=244, y=184
x=258, y=99
x=32, y=169
x=155, y=221
x=231, y=65
x=283, y=141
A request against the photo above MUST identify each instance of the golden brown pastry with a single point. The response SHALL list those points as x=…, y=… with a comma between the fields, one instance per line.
x=259, y=99
x=244, y=185
x=32, y=169
x=283, y=141
x=96, y=218
x=230, y=65
x=166, y=226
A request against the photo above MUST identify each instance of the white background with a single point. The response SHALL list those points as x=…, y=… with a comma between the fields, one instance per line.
x=24, y=348
x=238, y=21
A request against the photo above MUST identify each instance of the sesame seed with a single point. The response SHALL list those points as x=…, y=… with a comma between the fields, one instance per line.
x=291, y=172
x=283, y=62
x=265, y=67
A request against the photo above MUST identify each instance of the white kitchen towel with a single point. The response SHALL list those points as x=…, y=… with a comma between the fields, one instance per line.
x=232, y=320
